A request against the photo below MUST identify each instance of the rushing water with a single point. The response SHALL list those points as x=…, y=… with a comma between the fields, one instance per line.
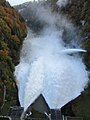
x=47, y=68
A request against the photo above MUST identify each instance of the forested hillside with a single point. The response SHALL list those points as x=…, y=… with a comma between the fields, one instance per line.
x=12, y=32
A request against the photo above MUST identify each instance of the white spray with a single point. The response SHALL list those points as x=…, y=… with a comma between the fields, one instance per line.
x=47, y=68
x=61, y=3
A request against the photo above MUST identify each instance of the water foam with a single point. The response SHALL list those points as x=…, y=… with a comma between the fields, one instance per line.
x=47, y=68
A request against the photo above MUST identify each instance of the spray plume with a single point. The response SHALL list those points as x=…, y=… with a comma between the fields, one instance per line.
x=45, y=64
x=61, y=3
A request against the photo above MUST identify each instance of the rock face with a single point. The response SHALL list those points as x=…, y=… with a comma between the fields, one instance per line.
x=79, y=13
x=12, y=32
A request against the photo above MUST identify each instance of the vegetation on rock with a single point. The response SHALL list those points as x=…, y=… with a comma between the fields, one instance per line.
x=12, y=32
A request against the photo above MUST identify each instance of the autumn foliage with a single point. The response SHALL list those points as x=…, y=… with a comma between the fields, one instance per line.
x=12, y=32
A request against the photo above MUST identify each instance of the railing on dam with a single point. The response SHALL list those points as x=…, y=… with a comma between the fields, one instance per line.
x=15, y=113
x=36, y=119
x=63, y=118
x=71, y=118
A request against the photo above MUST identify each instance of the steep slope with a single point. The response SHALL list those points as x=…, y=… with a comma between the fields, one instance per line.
x=79, y=13
x=12, y=32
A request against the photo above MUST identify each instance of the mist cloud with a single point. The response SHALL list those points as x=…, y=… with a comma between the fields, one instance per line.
x=58, y=76
x=61, y=3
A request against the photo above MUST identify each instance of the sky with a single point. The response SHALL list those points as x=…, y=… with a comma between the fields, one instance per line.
x=17, y=2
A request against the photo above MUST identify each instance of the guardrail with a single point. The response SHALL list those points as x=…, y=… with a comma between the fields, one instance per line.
x=71, y=118
x=5, y=118
x=35, y=119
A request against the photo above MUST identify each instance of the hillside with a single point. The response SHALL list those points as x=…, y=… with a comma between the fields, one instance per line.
x=12, y=32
